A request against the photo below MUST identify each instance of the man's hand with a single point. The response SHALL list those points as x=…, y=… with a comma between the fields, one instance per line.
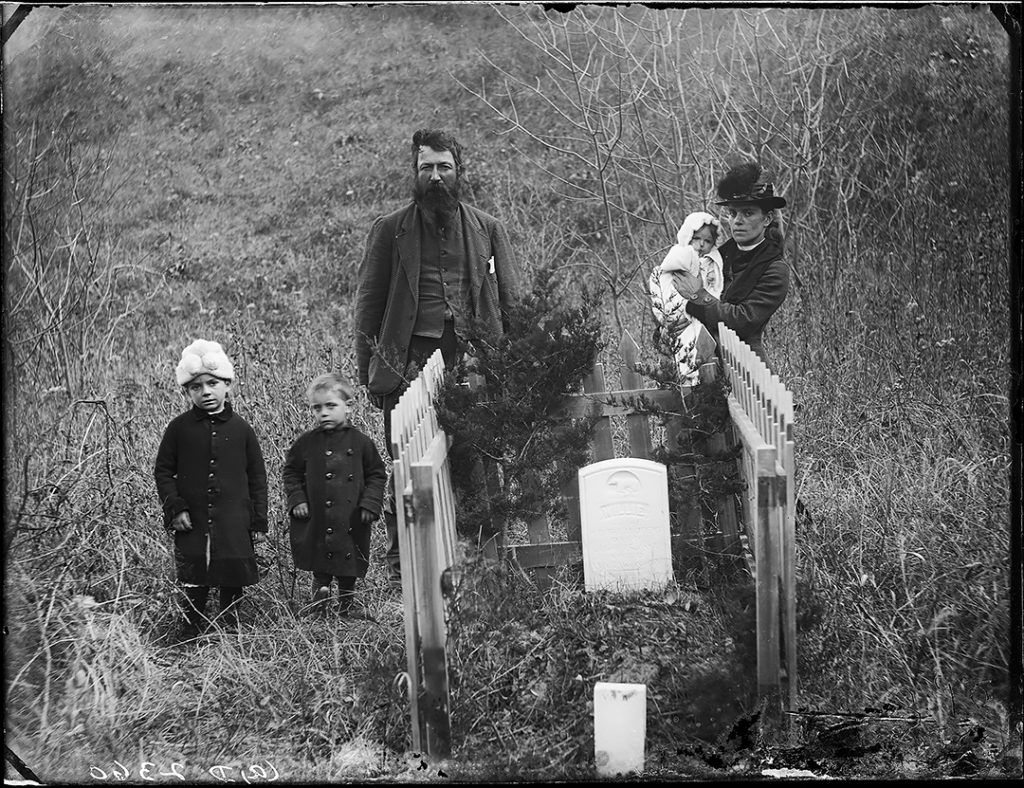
x=181, y=522
x=258, y=537
x=368, y=517
x=300, y=511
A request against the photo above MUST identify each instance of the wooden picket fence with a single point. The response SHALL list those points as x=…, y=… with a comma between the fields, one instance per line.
x=761, y=411
x=427, y=544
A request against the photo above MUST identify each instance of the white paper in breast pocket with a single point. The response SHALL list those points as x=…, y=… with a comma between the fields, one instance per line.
x=490, y=264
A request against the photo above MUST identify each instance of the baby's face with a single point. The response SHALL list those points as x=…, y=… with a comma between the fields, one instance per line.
x=703, y=239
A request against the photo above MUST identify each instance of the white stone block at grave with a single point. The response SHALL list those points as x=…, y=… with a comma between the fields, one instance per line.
x=620, y=728
x=625, y=525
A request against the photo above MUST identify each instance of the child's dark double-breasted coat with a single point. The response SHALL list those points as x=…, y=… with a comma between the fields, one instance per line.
x=211, y=466
x=336, y=473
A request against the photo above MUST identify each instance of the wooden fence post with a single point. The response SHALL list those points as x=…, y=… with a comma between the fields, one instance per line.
x=604, y=449
x=724, y=511
x=637, y=424
x=539, y=532
x=432, y=628
x=492, y=536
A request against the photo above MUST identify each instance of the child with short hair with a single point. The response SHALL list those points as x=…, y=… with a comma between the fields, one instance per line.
x=212, y=484
x=334, y=482
x=694, y=253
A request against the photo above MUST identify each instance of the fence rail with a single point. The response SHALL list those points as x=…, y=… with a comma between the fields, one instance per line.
x=427, y=546
x=761, y=410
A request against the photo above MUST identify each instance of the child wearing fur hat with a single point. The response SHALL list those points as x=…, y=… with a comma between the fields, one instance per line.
x=334, y=481
x=212, y=484
x=694, y=253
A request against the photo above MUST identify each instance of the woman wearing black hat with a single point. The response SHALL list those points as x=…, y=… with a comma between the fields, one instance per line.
x=755, y=273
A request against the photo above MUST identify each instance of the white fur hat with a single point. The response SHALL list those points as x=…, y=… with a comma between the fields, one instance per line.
x=693, y=223
x=204, y=357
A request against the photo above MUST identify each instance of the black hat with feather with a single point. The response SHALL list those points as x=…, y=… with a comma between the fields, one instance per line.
x=742, y=185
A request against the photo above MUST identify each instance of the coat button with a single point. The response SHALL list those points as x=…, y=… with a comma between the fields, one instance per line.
x=328, y=503
x=329, y=452
x=349, y=452
x=330, y=555
x=348, y=555
x=330, y=530
x=350, y=477
x=329, y=475
x=211, y=475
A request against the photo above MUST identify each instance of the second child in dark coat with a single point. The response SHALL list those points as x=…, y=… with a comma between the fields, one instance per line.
x=334, y=481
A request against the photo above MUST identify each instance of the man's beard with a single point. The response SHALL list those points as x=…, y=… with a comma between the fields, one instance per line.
x=436, y=197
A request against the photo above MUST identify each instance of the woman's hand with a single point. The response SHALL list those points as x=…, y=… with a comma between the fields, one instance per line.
x=686, y=284
x=300, y=511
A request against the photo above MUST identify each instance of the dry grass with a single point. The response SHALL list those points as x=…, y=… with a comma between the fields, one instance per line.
x=894, y=344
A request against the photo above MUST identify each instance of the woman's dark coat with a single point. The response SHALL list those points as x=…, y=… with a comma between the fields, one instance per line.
x=336, y=472
x=756, y=284
x=211, y=466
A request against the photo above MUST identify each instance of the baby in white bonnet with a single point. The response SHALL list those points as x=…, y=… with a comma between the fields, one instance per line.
x=694, y=252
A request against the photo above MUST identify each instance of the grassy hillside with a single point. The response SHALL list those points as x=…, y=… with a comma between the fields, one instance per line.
x=185, y=172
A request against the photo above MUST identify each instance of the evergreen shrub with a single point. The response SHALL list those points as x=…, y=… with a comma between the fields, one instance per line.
x=512, y=419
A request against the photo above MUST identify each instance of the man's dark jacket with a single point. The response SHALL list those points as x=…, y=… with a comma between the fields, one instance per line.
x=388, y=297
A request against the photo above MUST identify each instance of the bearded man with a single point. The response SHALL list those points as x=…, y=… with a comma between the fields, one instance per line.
x=435, y=274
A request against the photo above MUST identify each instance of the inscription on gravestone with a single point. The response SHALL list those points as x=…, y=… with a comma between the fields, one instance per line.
x=625, y=524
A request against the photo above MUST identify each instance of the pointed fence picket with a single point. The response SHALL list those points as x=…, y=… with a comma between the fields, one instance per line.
x=427, y=546
x=761, y=410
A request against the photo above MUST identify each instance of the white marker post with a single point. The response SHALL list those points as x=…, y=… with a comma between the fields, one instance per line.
x=620, y=728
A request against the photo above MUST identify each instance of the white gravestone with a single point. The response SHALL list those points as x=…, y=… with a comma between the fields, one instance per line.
x=620, y=728
x=625, y=525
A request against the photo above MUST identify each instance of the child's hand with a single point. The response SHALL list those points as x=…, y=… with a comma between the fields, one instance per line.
x=258, y=537
x=368, y=517
x=301, y=511
x=181, y=522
